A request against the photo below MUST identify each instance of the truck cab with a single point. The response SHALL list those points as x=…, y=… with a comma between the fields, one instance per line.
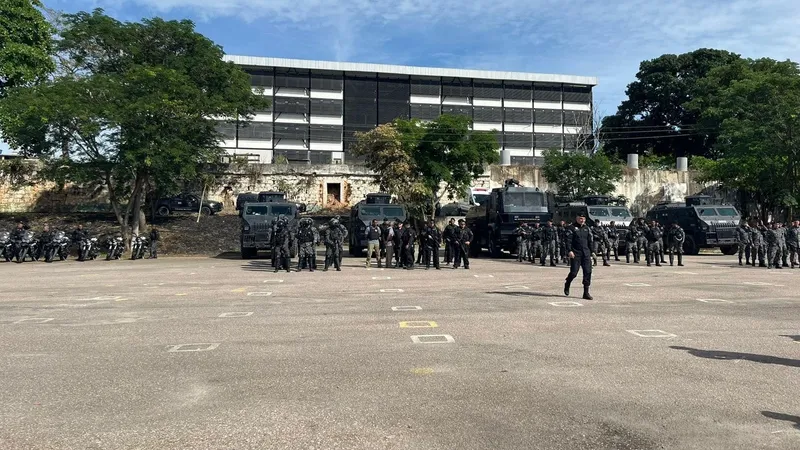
x=257, y=219
x=374, y=206
x=707, y=222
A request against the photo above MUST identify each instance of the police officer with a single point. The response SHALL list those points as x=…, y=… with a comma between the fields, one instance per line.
x=522, y=233
x=561, y=247
x=549, y=243
x=661, y=242
x=155, y=237
x=431, y=243
x=782, y=231
x=535, y=243
x=744, y=242
x=631, y=244
x=599, y=246
x=642, y=244
x=387, y=237
x=449, y=236
x=463, y=239
x=281, y=242
x=409, y=238
x=613, y=241
x=373, y=234
x=334, y=241
x=579, y=248
x=307, y=240
x=759, y=240
x=773, y=247
x=653, y=236
x=398, y=244
x=676, y=238
x=793, y=243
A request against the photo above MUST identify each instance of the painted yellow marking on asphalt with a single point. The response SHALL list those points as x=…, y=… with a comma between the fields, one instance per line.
x=239, y=290
x=418, y=324
x=422, y=371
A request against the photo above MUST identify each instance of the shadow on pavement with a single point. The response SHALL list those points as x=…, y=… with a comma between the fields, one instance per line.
x=717, y=354
x=784, y=417
x=526, y=294
x=795, y=337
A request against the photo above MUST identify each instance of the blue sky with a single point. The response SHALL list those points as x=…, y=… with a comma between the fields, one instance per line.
x=606, y=39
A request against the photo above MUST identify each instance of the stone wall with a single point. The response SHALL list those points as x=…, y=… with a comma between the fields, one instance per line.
x=331, y=186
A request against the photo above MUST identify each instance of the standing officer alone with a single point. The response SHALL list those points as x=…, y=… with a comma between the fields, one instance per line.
x=579, y=247
x=155, y=236
x=675, y=239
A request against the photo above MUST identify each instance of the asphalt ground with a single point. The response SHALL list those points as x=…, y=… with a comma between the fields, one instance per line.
x=214, y=353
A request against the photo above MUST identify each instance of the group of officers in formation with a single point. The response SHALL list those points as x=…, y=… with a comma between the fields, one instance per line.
x=538, y=243
x=393, y=244
x=775, y=246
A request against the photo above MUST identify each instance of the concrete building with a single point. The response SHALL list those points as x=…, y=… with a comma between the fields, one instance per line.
x=317, y=106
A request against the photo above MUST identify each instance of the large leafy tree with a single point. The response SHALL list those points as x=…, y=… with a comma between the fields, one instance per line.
x=578, y=174
x=422, y=162
x=25, y=44
x=756, y=106
x=135, y=109
x=655, y=119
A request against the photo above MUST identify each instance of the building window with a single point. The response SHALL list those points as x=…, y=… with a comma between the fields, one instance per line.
x=488, y=89
x=547, y=92
x=488, y=114
x=455, y=110
x=577, y=94
x=548, y=140
x=457, y=87
x=291, y=131
x=547, y=116
x=519, y=115
x=291, y=105
x=326, y=82
x=226, y=129
x=326, y=133
x=326, y=107
x=517, y=91
x=291, y=78
x=518, y=140
x=258, y=131
x=320, y=157
x=424, y=112
x=425, y=86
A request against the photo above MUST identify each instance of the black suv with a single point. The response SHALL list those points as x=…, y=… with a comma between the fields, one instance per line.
x=707, y=223
x=188, y=203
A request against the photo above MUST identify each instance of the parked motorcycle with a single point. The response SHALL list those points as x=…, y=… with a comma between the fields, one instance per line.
x=6, y=246
x=87, y=249
x=25, y=247
x=115, y=247
x=138, y=247
x=58, y=246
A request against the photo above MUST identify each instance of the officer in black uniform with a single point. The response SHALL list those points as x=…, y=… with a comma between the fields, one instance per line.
x=676, y=238
x=409, y=238
x=579, y=250
x=432, y=241
x=449, y=235
x=155, y=237
x=463, y=239
x=549, y=243
x=280, y=245
x=78, y=235
x=399, y=259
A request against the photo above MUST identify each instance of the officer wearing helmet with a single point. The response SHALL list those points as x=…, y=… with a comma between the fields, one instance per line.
x=334, y=241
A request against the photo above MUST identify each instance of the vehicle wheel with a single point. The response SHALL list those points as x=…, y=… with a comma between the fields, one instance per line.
x=689, y=246
x=205, y=210
x=163, y=211
x=729, y=250
x=248, y=253
x=494, y=250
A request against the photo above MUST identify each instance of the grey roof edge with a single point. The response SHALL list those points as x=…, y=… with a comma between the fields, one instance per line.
x=257, y=61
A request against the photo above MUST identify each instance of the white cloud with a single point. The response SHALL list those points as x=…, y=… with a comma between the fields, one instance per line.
x=586, y=37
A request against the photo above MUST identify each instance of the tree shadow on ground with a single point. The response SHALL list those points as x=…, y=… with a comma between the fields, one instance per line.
x=718, y=354
x=512, y=293
x=795, y=337
x=785, y=417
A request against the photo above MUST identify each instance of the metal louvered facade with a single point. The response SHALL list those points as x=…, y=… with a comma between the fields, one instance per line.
x=316, y=107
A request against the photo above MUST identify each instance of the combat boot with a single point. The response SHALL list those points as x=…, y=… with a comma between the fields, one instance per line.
x=680, y=259
x=566, y=288
x=586, y=295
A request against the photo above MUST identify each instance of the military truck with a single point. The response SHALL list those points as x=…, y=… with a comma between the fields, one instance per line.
x=256, y=224
x=493, y=221
x=375, y=206
x=708, y=223
x=596, y=207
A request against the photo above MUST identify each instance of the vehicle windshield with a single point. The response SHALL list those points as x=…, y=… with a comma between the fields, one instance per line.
x=727, y=212
x=286, y=210
x=394, y=212
x=622, y=213
x=516, y=199
x=257, y=210
x=479, y=199
x=370, y=211
x=706, y=212
x=599, y=212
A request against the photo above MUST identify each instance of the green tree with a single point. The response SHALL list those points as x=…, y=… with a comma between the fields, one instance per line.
x=578, y=174
x=756, y=106
x=655, y=119
x=25, y=44
x=420, y=163
x=138, y=110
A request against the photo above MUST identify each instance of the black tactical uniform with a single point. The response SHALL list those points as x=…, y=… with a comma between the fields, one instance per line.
x=600, y=245
x=676, y=238
x=631, y=244
x=549, y=243
x=535, y=243
x=449, y=235
x=744, y=242
x=281, y=242
x=580, y=244
x=431, y=242
x=793, y=242
x=307, y=240
x=409, y=238
x=561, y=247
x=334, y=241
x=773, y=247
x=782, y=244
x=642, y=244
x=387, y=238
x=155, y=237
x=613, y=241
x=522, y=234
x=79, y=235
x=653, y=235
x=759, y=245
x=463, y=239
x=399, y=229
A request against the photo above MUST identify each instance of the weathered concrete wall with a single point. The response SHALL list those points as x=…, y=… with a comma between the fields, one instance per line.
x=327, y=186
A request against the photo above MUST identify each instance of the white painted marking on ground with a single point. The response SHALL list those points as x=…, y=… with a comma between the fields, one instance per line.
x=259, y=294
x=713, y=300
x=406, y=308
x=392, y=290
x=760, y=283
x=483, y=276
x=566, y=304
x=687, y=273
x=651, y=333
x=236, y=314
x=272, y=281
x=516, y=286
x=419, y=324
x=106, y=298
x=381, y=278
x=193, y=347
x=433, y=339
x=35, y=320
x=637, y=284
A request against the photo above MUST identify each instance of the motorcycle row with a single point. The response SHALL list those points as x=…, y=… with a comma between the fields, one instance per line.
x=23, y=244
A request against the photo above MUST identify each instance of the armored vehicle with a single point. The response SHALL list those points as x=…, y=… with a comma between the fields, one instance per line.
x=597, y=207
x=257, y=219
x=375, y=206
x=493, y=221
x=707, y=222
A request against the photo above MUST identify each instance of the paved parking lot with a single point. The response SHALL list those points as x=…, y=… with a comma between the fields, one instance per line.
x=223, y=353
